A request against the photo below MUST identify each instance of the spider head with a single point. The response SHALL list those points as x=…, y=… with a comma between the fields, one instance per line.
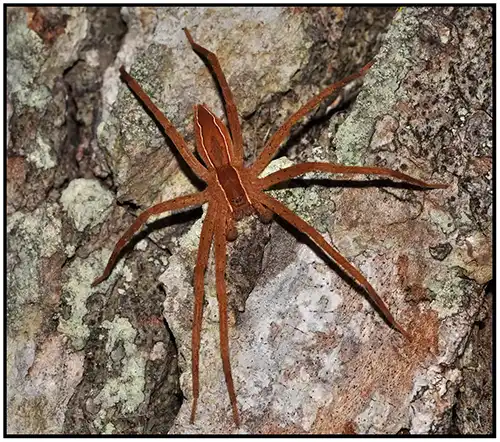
x=241, y=208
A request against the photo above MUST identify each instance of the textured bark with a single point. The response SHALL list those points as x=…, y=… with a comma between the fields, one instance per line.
x=309, y=354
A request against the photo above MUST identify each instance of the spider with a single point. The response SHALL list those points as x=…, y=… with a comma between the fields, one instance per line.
x=234, y=191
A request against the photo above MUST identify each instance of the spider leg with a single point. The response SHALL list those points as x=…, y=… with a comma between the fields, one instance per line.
x=265, y=215
x=285, y=213
x=181, y=202
x=170, y=130
x=279, y=136
x=231, y=111
x=220, y=268
x=299, y=169
x=206, y=237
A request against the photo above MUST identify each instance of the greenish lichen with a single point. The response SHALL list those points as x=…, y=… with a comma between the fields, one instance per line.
x=26, y=53
x=127, y=388
x=443, y=220
x=86, y=202
x=42, y=157
x=447, y=294
x=32, y=237
x=109, y=428
x=306, y=202
x=76, y=290
x=274, y=166
x=381, y=91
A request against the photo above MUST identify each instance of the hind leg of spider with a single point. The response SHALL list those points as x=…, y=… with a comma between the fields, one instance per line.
x=231, y=111
x=182, y=202
x=220, y=268
x=206, y=237
x=290, y=217
x=299, y=169
x=168, y=127
x=272, y=146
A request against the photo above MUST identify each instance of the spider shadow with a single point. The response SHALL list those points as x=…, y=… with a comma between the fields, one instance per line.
x=320, y=117
x=183, y=217
x=342, y=183
x=195, y=180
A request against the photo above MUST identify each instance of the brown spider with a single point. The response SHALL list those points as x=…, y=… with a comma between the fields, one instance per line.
x=233, y=192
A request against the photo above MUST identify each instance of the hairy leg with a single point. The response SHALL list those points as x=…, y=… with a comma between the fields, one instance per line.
x=170, y=130
x=181, y=202
x=285, y=213
x=265, y=215
x=207, y=233
x=299, y=169
x=220, y=268
x=275, y=141
x=231, y=111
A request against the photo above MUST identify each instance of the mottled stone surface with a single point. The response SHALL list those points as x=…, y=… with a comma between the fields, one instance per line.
x=79, y=360
x=309, y=353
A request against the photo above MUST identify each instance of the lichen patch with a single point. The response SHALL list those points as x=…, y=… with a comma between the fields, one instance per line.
x=86, y=202
x=76, y=290
x=127, y=388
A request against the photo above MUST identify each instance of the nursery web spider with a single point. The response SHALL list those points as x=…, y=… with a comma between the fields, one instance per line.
x=234, y=191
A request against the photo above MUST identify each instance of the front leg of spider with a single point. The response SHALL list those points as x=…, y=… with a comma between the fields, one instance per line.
x=222, y=152
x=182, y=202
x=293, y=219
x=220, y=282
x=206, y=238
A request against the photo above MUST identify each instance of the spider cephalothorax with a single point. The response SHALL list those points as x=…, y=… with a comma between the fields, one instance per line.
x=233, y=192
